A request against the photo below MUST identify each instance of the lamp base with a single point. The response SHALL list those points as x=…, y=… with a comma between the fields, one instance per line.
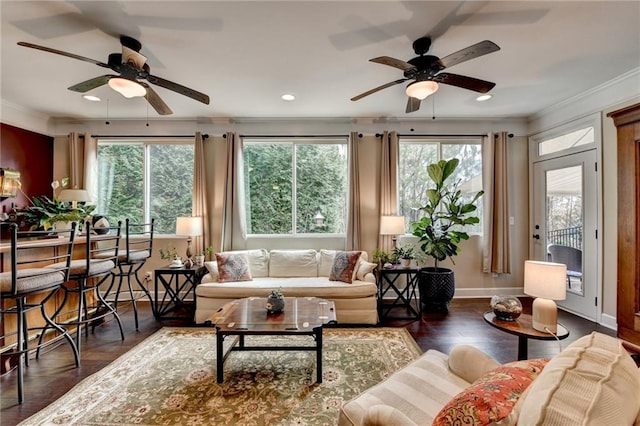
x=544, y=315
x=189, y=253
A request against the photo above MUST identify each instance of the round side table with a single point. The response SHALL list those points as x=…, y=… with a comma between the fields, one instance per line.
x=522, y=328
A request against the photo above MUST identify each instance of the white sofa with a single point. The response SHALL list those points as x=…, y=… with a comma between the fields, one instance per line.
x=594, y=381
x=300, y=273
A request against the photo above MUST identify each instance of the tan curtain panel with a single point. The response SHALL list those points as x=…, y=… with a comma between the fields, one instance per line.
x=200, y=193
x=234, y=234
x=354, y=241
x=497, y=248
x=388, y=183
x=83, y=163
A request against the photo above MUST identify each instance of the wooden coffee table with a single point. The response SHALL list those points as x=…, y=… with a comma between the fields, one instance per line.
x=248, y=317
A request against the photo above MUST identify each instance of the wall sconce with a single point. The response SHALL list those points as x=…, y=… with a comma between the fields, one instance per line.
x=9, y=183
x=191, y=227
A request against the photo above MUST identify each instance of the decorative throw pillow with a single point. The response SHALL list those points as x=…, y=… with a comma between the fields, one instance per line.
x=233, y=267
x=364, y=268
x=491, y=398
x=344, y=265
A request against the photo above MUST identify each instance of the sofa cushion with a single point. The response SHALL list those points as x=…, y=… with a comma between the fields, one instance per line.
x=291, y=287
x=492, y=397
x=344, y=266
x=593, y=381
x=233, y=267
x=293, y=263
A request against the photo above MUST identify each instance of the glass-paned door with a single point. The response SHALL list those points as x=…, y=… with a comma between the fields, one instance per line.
x=564, y=225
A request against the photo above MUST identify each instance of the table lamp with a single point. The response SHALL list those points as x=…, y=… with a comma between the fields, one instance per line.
x=392, y=225
x=546, y=281
x=191, y=227
x=74, y=195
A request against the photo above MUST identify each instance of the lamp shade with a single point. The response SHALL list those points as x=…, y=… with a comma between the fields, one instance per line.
x=391, y=225
x=422, y=89
x=190, y=226
x=81, y=195
x=545, y=279
x=127, y=88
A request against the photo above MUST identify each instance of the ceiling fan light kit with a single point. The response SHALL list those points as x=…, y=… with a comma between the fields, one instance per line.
x=127, y=88
x=421, y=89
x=131, y=67
x=425, y=71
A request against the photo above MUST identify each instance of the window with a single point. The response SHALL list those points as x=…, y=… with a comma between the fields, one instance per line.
x=295, y=186
x=140, y=180
x=414, y=157
x=579, y=137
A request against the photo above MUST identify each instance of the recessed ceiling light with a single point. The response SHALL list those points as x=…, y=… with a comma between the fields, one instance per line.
x=92, y=98
x=483, y=98
x=288, y=97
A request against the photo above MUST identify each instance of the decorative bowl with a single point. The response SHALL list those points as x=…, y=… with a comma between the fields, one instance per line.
x=506, y=308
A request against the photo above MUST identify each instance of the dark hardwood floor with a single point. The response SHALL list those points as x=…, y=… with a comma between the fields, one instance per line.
x=54, y=373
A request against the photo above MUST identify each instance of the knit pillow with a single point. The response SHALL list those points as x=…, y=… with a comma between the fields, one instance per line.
x=233, y=267
x=344, y=265
x=492, y=397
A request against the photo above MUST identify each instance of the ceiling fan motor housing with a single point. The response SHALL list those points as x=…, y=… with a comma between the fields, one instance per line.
x=426, y=66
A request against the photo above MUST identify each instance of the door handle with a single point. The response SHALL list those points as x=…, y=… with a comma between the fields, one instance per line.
x=536, y=236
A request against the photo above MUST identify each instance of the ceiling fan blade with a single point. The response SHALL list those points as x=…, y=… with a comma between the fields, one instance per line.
x=392, y=62
x=471, y=52
x=85, y=86
x=60, y=52
x=178, y=88
x=374, y=90
x=155, y=101
x=465, y=82
x=413, y=104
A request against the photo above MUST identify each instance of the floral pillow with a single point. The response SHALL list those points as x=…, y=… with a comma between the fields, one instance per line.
x=492, y=397
x=344, y=265
x=233, y=267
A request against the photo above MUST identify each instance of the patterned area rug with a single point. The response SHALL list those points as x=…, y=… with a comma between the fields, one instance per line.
x=170, y=379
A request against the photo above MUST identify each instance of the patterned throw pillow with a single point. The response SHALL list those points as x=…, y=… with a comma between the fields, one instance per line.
x=233, y=267
x=491, y=398
x=344, y=263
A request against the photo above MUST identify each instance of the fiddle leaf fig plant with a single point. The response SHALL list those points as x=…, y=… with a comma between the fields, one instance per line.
x=445, y=214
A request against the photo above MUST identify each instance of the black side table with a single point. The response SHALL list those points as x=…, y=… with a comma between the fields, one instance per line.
x=387, y=280
x=178, y=284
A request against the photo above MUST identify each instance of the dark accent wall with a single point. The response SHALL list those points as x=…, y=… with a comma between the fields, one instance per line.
x=32, y=155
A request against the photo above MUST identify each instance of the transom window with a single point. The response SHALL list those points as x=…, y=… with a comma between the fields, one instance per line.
x=140, y=180
x=295, y=186
x=413, y=181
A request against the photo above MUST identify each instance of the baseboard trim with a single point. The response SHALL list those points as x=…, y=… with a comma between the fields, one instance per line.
x=609, y=321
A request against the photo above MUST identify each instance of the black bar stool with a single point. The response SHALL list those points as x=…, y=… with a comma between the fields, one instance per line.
x=32, y=274
x=138, y=248
x=101, y=256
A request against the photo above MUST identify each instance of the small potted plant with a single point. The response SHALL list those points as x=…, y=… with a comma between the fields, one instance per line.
x=382, y=258
x=404, y=254
x=275, y=301
x=170, y=253
x=200, y=257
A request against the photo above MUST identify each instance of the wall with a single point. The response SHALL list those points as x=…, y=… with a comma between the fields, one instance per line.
x=31, y=154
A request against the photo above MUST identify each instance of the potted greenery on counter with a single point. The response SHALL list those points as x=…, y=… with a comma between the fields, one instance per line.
x=440, y=231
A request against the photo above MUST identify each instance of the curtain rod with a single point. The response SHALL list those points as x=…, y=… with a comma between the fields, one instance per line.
x=294, y=136
x=204, y=136
x=442, y=135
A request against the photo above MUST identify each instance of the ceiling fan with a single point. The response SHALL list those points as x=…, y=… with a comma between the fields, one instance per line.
x=425, y=71
x=132, y=67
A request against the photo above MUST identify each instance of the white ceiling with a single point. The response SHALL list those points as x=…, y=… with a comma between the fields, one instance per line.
x=245, y=54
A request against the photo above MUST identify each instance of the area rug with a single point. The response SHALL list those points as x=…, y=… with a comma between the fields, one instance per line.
x=170, y=379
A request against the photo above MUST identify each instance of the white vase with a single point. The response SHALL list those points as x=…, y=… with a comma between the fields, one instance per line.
x=405, y=263
x=199, y=260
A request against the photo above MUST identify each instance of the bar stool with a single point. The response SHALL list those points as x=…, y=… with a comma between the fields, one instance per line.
x=138, y=248
x=31, y=274
x=101, y=256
